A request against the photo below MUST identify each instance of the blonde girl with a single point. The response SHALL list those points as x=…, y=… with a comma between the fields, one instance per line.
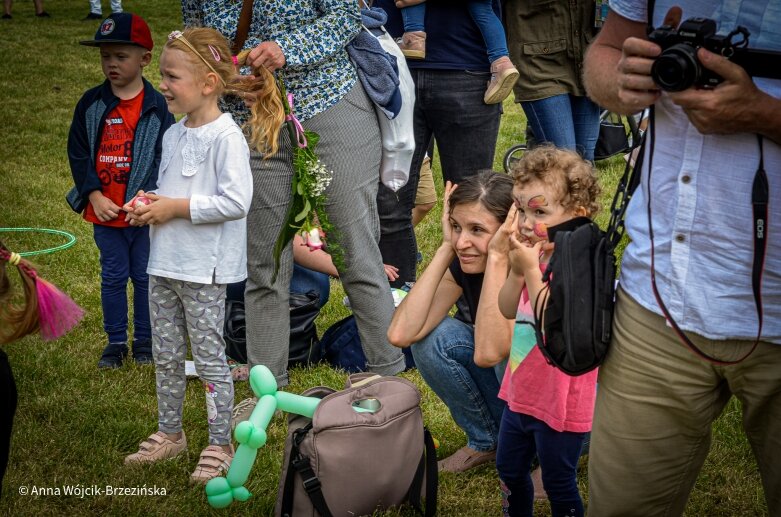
x=197, y=219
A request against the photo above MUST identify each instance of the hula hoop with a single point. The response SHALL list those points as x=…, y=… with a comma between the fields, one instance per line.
x=71, y=240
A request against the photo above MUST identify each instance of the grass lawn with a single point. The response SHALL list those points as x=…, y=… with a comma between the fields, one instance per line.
x=75, y=424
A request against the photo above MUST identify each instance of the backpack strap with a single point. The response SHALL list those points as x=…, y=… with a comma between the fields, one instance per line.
x=245, y=18
x=427, y=467
x=300, y=464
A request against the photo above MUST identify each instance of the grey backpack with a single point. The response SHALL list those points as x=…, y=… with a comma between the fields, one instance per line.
x=365, y=449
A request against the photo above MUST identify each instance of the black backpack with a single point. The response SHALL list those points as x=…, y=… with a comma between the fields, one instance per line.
x=573, y=313
x=574, y=332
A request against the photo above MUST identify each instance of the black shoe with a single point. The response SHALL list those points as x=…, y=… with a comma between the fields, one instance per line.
x=113, y=355
x=93, y=16
x=43, y=14
x=142, y=352
x=6, y=16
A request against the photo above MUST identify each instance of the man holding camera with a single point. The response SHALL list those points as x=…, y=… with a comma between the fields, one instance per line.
x=697, y=227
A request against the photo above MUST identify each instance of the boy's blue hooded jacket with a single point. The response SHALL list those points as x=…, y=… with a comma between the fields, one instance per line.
x=86, y=131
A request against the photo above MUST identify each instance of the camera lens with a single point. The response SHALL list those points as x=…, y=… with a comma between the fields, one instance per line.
x=677, y=68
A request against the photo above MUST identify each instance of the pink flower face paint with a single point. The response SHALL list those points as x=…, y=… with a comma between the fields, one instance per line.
x=537, y=201
x=540, y=230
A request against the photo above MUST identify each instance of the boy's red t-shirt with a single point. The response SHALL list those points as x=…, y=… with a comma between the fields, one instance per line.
x=115, y=156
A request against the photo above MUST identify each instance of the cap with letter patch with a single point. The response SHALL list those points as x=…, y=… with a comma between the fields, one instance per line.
x=122, y=27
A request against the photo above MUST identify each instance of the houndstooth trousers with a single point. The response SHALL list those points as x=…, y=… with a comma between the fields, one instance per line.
x=350, y=146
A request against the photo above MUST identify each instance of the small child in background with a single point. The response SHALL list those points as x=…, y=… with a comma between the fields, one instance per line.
x=548, y=412
x=114, y=150
x=503, y=73
x=198, y=244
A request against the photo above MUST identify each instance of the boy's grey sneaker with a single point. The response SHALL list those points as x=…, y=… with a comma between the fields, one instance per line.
x=113, y=355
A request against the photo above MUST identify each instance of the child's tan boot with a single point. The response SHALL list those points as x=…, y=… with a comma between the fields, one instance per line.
x=156, y=448
x=214, y=461
x=413, y=45
x=503, y=77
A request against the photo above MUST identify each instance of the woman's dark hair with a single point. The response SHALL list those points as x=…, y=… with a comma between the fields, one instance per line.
x=493, y=190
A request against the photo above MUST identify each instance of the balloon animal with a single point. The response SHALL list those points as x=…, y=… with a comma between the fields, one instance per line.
x=251, y=435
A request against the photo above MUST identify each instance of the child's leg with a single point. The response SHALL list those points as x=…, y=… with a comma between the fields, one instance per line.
x=205, y=315
x=413, y=17
x=116, y=6
x=169, y=346
x=169, y=351
x=138, y=240
x=514, y=456
x=558, y=453
x=503, y=73
x=491, y=28
x=413, y=41
x=114, y=273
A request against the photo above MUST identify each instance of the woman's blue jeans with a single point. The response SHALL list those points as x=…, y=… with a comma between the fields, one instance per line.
x=302, y=281
x=566, y=121
x=445, y=360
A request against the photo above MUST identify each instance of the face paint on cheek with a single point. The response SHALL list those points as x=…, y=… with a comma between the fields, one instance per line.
x=537, y=201
x=540, y=230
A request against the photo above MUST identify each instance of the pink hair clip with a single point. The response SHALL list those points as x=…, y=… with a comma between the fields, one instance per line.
x=214, y=52
x=235, y=60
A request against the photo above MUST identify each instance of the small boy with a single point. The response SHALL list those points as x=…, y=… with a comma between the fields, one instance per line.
x=114, y=148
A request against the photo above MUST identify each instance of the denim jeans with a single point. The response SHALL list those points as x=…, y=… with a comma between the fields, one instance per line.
x=302, y=281
x=124, y=254
x=414, y=17
x=94, y=6
x=449, y=105
x=482, y=12
x=445, y=360
x=521, y=437
x=565, y=121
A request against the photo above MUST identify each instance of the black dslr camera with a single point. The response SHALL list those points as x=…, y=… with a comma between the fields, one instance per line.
x=677, y=67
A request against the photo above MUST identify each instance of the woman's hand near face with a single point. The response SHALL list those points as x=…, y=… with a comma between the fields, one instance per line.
x=493, y=328
x=447, y=230
x=500, y=242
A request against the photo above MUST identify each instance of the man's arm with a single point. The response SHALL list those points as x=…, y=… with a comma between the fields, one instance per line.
x=617, y=66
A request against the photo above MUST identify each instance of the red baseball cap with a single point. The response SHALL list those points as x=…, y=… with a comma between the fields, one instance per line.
x=122, y=28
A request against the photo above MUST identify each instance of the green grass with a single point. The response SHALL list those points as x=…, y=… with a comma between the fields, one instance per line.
x=74, y=424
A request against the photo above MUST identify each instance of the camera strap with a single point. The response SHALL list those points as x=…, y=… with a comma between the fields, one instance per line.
x=650, y=27
x=759, y=201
